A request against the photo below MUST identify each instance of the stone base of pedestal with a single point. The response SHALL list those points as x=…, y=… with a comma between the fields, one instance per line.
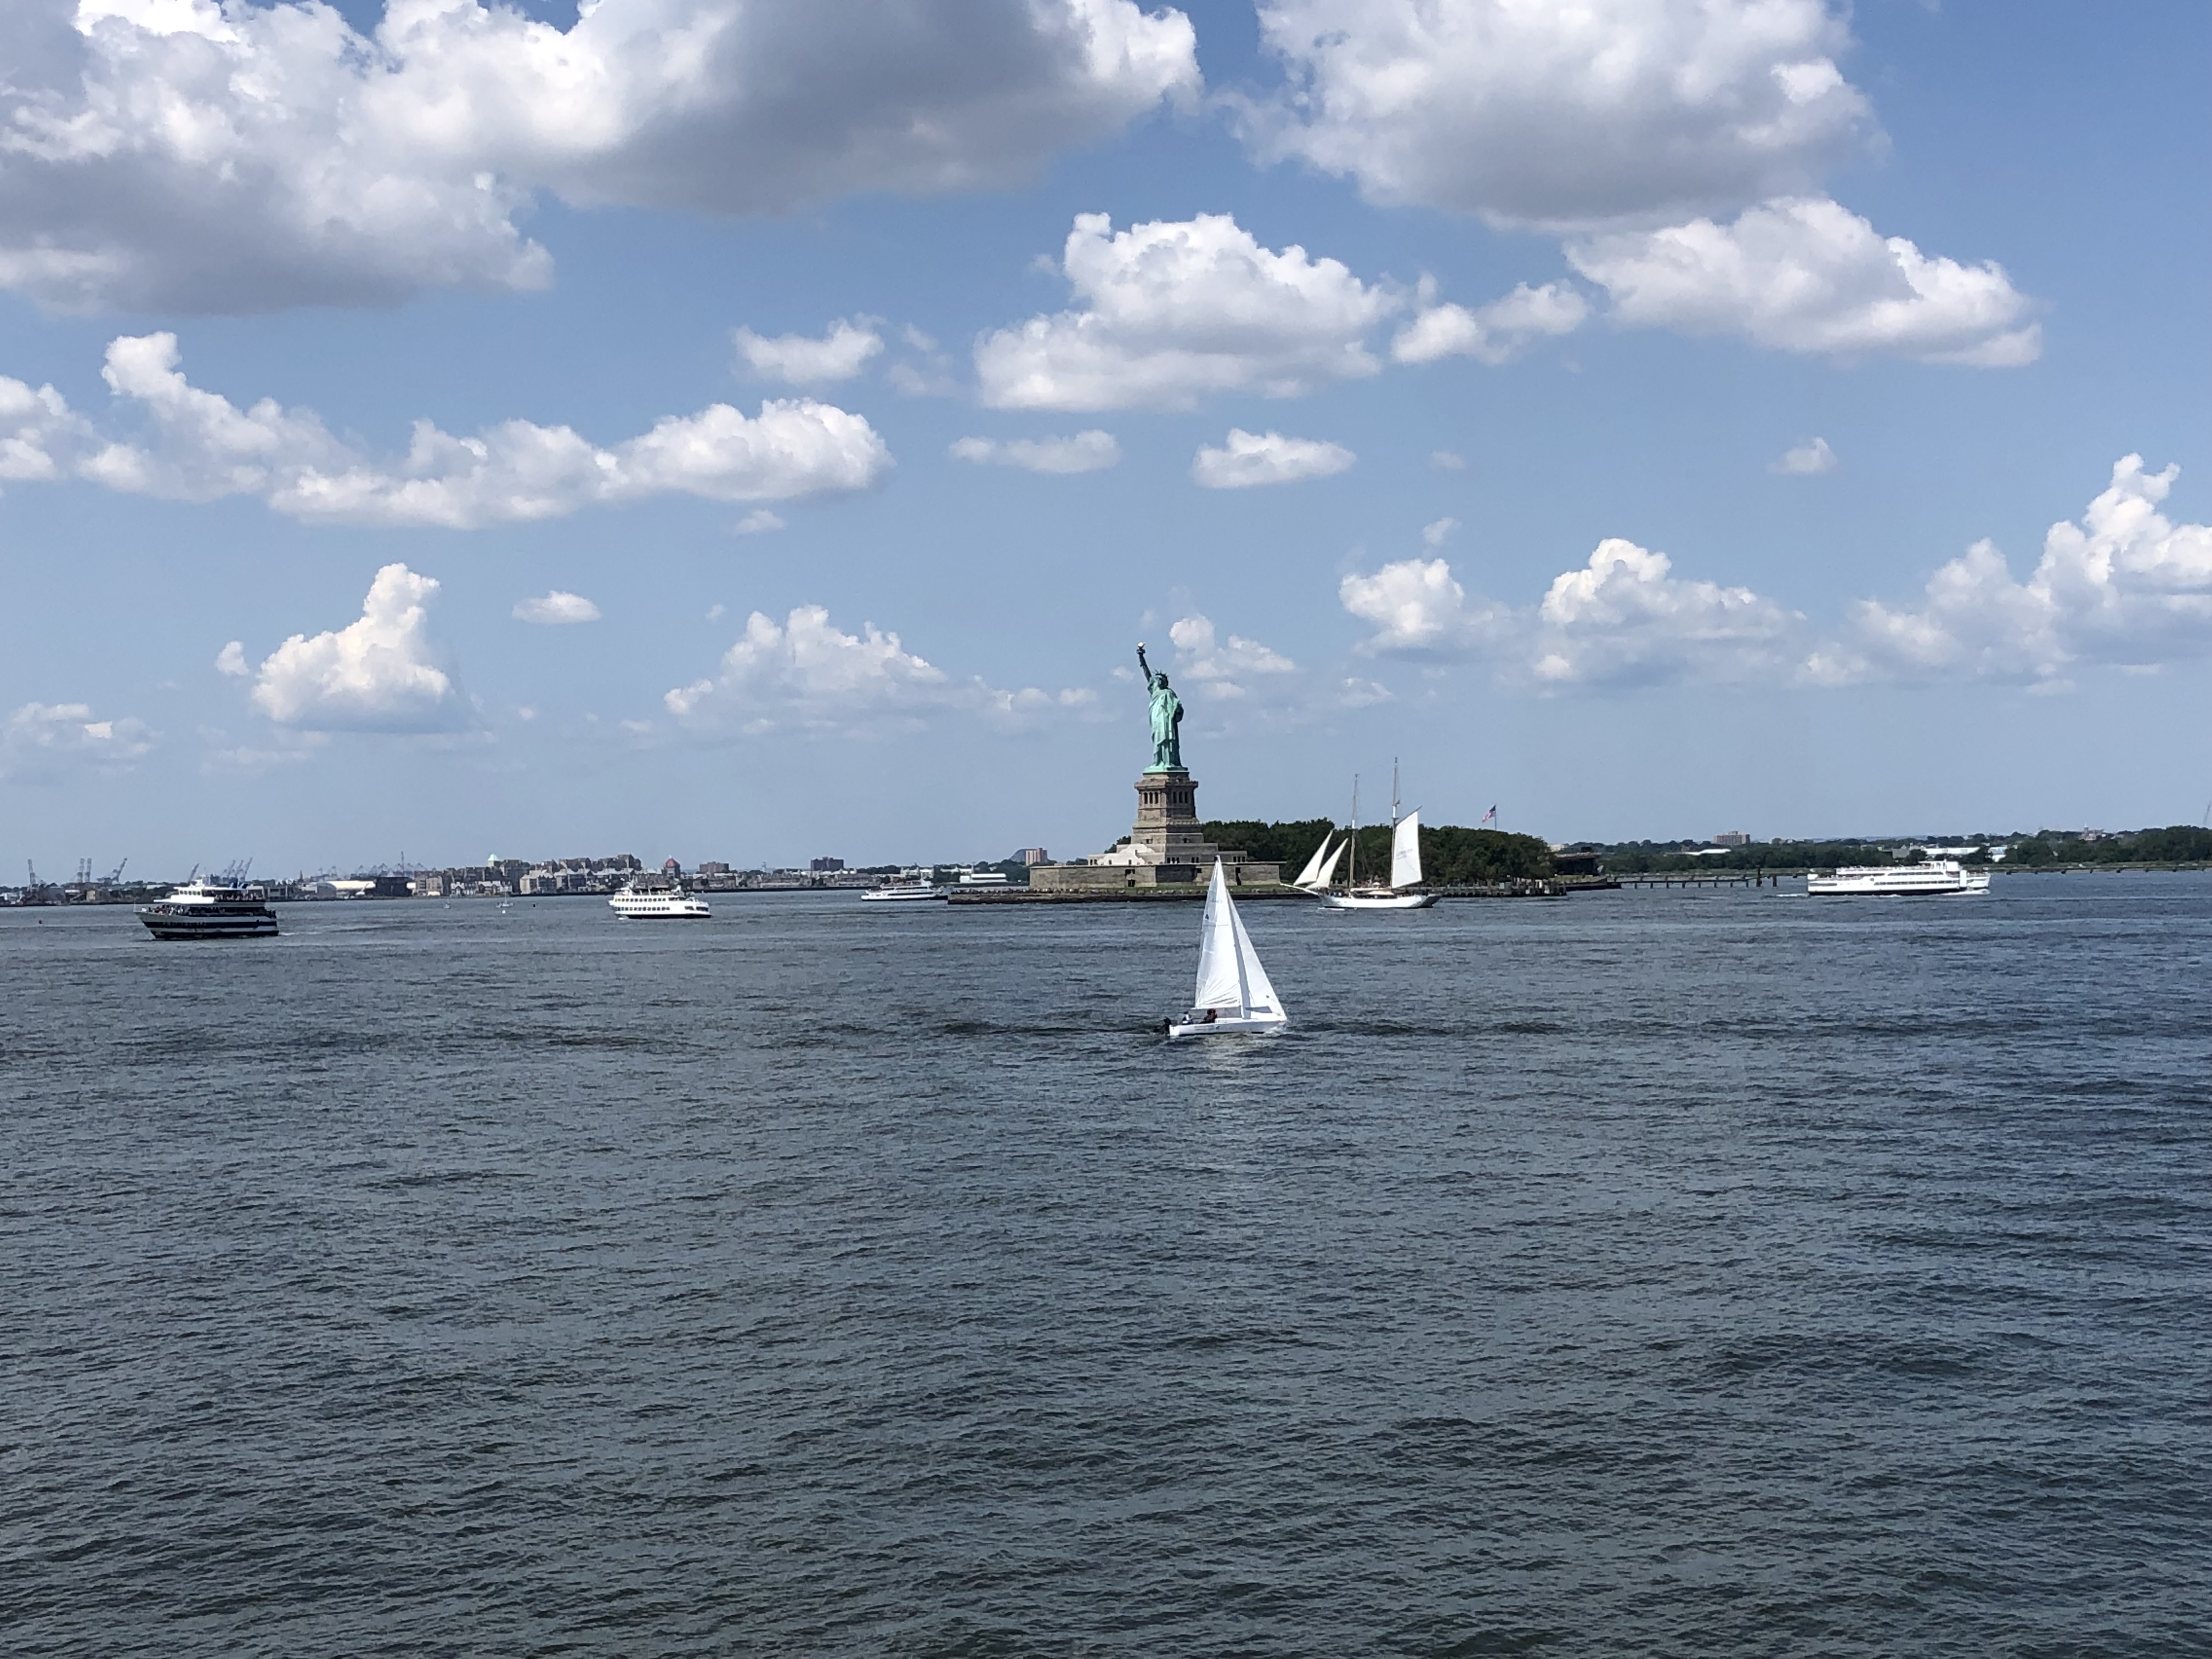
x=1165, y=848
x=1102, y=878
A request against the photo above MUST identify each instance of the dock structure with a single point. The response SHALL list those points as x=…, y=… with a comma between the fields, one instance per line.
x=1697, y=879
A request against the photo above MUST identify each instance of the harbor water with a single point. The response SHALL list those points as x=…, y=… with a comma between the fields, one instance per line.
x=1700, y=1274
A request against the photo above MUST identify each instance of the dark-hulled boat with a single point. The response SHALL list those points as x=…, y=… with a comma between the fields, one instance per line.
x=201, y=909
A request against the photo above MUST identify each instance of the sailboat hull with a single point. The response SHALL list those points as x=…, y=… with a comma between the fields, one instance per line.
x=1230, y=1024
x=1377, y=901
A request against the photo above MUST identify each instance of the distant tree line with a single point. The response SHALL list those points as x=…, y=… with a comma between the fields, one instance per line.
x=2177, y=843
x=1451, y=856
x=2180, y=843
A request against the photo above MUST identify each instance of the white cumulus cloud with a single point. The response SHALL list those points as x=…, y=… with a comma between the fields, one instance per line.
x=380, y=673
x=556, y=609
x=805, y=673
x=1495, y=333
x=1624, y=619
x=1170, y=311
x=43, y=742
x=2123, y=586
x=1226, y=667
x=1086, y=451
x=1806, y=460
x=1418, y=609
x=803, y=360
x=201, y=446
x=1805, y=274
x=218, y=155
x=1561, y=115
x=1248, y=459
x=231, y=660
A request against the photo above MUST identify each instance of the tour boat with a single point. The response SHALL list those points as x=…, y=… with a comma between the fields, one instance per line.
x=984, y=878
x=204, y=909
x=1234, y=993
x=902, y=892
x=1405, y=864
x=658, y=904
x=1938, y=878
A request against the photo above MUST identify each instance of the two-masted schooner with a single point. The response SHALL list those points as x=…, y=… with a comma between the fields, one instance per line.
x=1405, y=864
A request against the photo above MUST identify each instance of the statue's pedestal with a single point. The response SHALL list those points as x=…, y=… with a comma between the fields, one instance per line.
x=1165, y=848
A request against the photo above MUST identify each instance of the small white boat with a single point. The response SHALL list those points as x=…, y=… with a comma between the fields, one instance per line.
x=658, y=904
x=902, y=892
x=1938, y=878
x=1234, y=991
x=1405, y=864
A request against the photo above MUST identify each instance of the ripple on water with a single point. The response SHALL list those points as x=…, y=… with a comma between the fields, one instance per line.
x=1629, y=1276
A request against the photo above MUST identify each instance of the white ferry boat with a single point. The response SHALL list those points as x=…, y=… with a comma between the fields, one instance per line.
x=902, y=892
x=984, y=878
x=657, y=904
x=1938, y=878
x=205, y=909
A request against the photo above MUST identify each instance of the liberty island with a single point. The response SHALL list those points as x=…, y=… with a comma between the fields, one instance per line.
x=1165, y=847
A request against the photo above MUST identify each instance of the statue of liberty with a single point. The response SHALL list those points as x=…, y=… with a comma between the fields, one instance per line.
x=1167, y=719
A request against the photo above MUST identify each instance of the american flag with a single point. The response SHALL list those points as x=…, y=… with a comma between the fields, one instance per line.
x=1487, y=817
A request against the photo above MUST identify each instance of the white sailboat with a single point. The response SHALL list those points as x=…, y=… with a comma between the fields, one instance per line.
x=1405, y=864
x=1234, y=991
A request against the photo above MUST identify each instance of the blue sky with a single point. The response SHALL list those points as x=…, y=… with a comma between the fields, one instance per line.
x=1494, y=477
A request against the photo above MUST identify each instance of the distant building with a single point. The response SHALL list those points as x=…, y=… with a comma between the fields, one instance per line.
x=1033, y=856
x=714, y=867
x=822, y=866
x=671, y=868
x=1731, y=838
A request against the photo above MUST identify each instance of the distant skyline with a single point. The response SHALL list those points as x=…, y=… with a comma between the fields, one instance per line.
x=464, y=428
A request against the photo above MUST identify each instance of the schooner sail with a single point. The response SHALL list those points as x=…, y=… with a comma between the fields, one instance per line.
x=1405, y=864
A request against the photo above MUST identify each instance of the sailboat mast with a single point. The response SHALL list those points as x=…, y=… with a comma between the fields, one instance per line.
x=1351, y=868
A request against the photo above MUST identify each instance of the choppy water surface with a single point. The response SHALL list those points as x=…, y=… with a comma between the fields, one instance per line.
x=1704, y=1274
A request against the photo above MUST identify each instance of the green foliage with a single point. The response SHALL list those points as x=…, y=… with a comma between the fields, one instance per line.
x=2176, y=843
x=1287, y=844
x=1450, y=856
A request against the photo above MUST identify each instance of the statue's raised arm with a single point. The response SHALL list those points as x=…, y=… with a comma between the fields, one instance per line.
x=1145, y=667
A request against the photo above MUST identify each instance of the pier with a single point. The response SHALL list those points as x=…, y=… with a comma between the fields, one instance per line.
x=1692, y=878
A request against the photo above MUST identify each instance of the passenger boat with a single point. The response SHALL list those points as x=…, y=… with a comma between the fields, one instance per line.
x=658, y=904
x=1234, y=992
x=206, y=909
x=1938, y=878
x=902, y=892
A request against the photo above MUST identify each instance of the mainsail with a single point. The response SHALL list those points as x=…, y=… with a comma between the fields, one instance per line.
x=1221, y=965
x=1406, y=852
x=1230, y=975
